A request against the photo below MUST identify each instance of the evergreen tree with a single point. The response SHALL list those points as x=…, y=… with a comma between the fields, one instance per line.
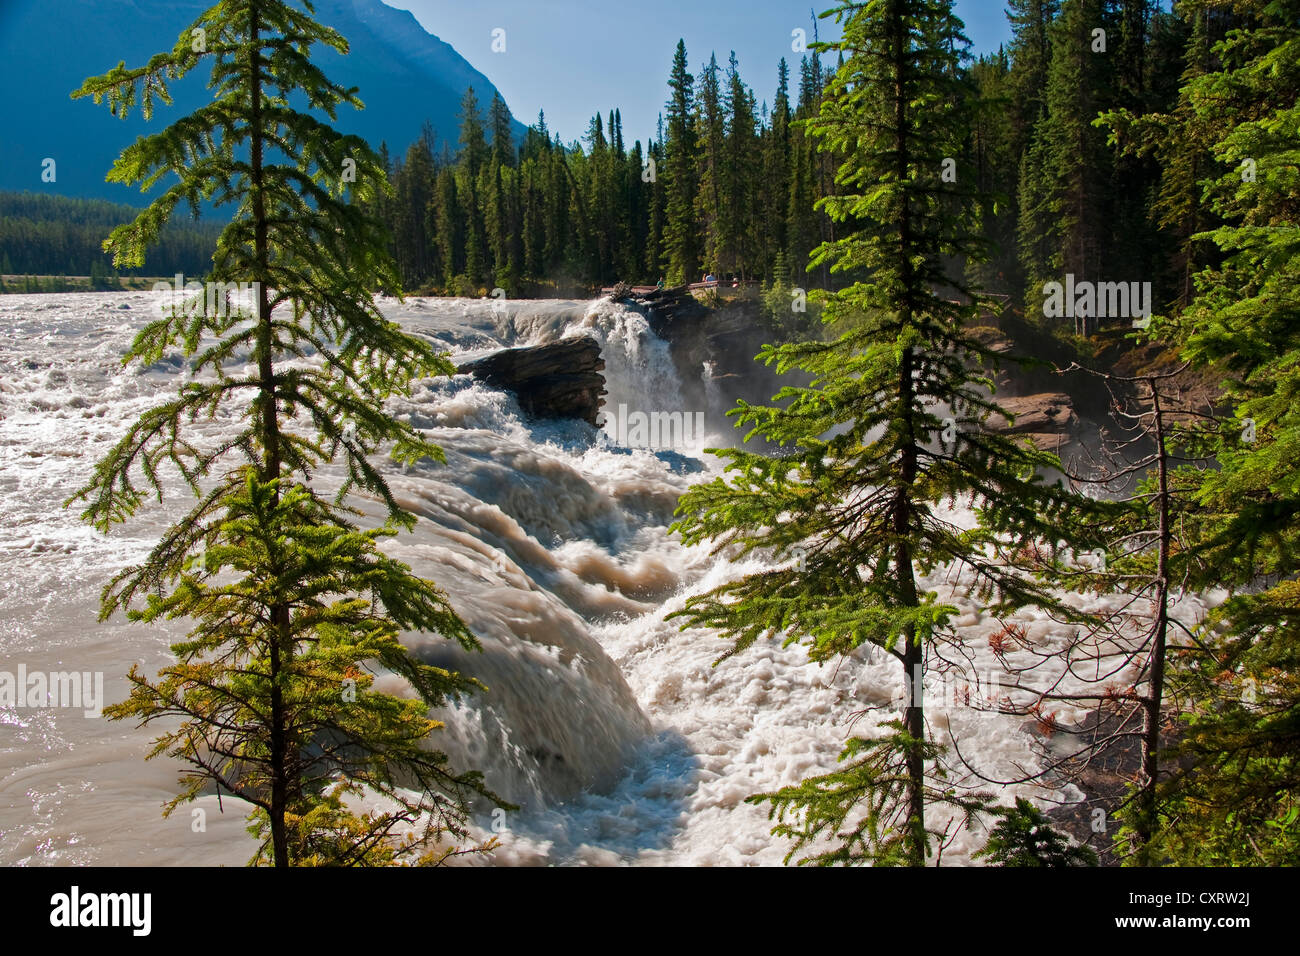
x=1030, y=53
x=996, y=164
x=473, y=157
x=742, y=170
x=503, y=139
x=681, y=246
x=1025, y=837
x=269, y=646
x=448, y=227
x=1063, y=207
x=288, y=550
x=473, y=141
x=1181, y=140
x=657, y=203
x=709, y=202
x=802, y=230
x=497, y=219
x=414, y=195
x=774, y=185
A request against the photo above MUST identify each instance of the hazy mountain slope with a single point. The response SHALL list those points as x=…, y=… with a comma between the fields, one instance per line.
x=48, y=47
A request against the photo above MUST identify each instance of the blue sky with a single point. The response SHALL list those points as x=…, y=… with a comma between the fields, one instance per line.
x=574, y=57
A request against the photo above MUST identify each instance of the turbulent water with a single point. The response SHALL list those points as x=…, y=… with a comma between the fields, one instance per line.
x=607, y=724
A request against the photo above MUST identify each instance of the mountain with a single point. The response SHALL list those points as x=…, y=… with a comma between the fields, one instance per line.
x=48, y=47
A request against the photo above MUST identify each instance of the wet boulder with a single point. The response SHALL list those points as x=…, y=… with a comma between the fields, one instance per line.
x=557, y=380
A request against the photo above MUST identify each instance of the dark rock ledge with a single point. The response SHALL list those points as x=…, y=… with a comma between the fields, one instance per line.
x=558, y=380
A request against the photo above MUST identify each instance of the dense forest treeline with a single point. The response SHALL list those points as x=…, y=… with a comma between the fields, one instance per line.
x=48, y=235
x=727, y=186
x=732, y=186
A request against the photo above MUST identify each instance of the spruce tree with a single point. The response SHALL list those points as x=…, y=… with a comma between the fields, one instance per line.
x=414, y=190
x=503, y=139
x=473, y=158
x=862, y=463
x=681, y=246
x=448, y=227
x=657, y=211
x=802, y=222
x=1182, y=141
x=286, y=595
x=1063, y=205
x=774, y=185
x=709, y=201
x=996, y=165
x=281, y=548
x=742, y=168
x=1025, y=837
x=1030, y=53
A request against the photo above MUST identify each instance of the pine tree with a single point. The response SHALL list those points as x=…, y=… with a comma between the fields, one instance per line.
x=473, y=158
x=657, y=204
x=774, y=186
x=473, y=141
x=742, y=171
x=852, y=493
x=802, y=229
x=414, y=197
x=286, y=549
x=709, y=212
x=496, y=218
x=681, y=246
x=1181, y=140
x=448, y=227
x=503, y=139
x=635, y=213
x=1025, y=837
x=996, y=164
x=1030, y=53
x=269, y=646
x=1063, y=207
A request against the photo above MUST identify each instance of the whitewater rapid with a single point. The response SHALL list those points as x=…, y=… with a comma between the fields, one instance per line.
x=608, y=725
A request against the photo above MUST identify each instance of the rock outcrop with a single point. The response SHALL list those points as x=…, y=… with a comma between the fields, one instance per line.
x=667, y=310
x=1047, y=418
x=558, y=380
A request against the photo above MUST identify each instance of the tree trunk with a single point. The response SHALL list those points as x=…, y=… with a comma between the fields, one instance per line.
x=913, y=653
x=270, y=425
x=1151, y=703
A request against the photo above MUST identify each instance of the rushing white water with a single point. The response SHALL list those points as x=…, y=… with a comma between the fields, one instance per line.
x=607, y=724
